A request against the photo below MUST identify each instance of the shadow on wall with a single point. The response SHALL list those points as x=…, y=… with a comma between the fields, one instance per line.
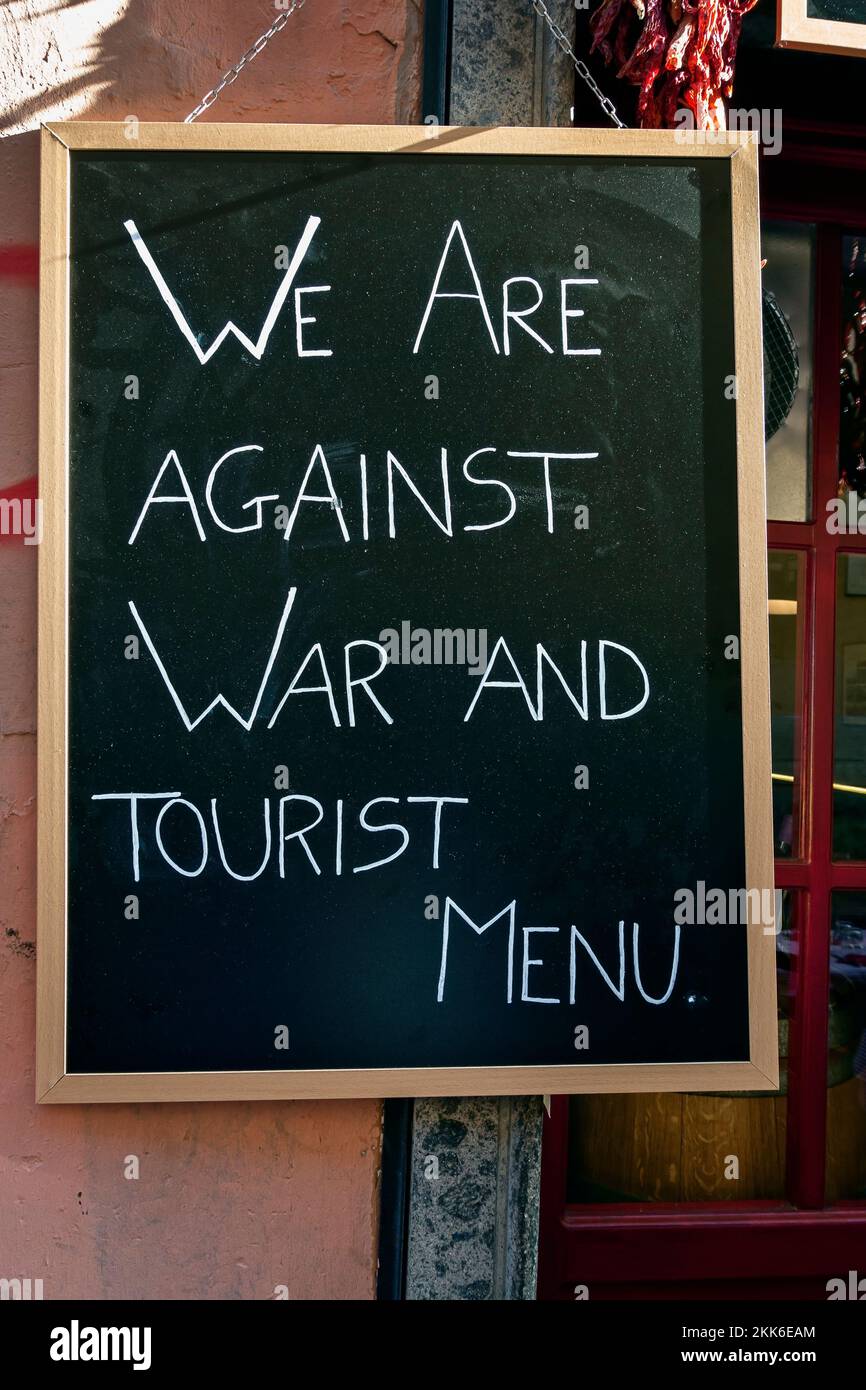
x=155, y=59
x=49, y=39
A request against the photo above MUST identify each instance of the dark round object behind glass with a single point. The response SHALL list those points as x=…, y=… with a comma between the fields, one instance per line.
x=781, y=365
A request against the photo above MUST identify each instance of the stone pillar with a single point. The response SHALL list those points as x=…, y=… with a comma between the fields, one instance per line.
x=473, y=1219
x=506, y=68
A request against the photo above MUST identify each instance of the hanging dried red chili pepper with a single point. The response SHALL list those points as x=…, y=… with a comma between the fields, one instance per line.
x=680, y=54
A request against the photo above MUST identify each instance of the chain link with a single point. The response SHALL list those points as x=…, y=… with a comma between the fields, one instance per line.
x=234, y=73
x=283, y=18
x=583, y=71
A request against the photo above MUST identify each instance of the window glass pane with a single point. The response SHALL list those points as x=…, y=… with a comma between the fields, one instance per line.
x=786, y=570
x=788, y=279
x=852, y=416
x=846, y=1073
x=687, y=1147
x=849, y=760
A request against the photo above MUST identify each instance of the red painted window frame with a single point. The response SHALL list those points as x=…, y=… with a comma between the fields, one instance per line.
x=757, y=1248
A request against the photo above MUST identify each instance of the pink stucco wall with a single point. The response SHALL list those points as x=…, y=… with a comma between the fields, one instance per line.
x=232, y=1201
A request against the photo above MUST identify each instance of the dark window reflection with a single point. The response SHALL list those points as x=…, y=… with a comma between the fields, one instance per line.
x=852, y=425
x=846, y=1061
x=849, y=756
x=785, y=570
x=788, y=249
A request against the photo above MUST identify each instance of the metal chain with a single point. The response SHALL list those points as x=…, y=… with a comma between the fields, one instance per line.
x=234, y=73
x=282, y=20
x=583, y=71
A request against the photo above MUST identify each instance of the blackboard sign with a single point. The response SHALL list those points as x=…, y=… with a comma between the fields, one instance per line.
x=829, y=26
x=404, y=717
x=840, y=11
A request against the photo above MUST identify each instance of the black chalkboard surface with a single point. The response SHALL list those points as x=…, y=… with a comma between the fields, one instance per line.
x=840, y=11
x=823, y=26
x=404, y=692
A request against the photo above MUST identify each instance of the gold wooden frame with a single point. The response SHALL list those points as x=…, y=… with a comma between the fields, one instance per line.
x=54, y=1084
x=796, y=28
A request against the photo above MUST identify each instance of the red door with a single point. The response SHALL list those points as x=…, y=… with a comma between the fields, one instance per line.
x=742, y=1196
